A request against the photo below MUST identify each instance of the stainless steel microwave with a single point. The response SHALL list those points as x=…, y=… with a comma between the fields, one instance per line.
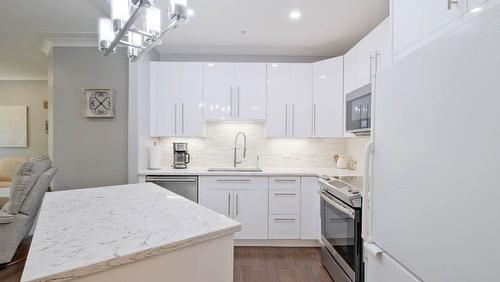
x=358, y=111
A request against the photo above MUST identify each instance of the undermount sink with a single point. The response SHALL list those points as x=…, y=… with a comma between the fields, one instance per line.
x=234, y=169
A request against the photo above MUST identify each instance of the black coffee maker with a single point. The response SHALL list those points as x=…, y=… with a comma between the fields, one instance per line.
x=181, y=156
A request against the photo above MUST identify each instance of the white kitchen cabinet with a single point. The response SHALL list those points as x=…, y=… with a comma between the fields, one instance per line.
x=250, y=99
x=176, y=99
x=191, y=100
x=250, y=208
x=235, y=91
x=284, y=227
x=328, y=98
x=381, y=39
x=301, y=91
x=365, y=54
x=278, y=99
x=284, y=201
x=219, y=91
x=414, y=20
x=289, y=100
x=310, y=209
x=244, y=199
x=350, y=71
x=471, y=4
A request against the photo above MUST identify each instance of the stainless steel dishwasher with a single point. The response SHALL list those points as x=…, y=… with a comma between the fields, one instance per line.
x=185, y=186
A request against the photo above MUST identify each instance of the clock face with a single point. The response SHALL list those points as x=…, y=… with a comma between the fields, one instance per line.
x=98, y=103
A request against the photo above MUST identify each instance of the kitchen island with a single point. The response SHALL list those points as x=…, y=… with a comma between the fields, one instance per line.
x=138, y=232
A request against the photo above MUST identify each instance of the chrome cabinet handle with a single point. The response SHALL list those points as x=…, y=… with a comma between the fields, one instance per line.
x=371, y=67
x=228, y=203
x=237, y=205
x=285, y=194
x=286, y=119
x=284, y=219
x=238, y=99
x=285, y=180
x=452, y=2
x=182, y=111
x=176, y=180
x=314, y=119
x=233, y=180
x=231, y=101
x=293, y=119
x=377, y=55
x=175, y=119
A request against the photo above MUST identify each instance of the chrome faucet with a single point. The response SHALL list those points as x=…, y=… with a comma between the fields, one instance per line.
x=236, y=147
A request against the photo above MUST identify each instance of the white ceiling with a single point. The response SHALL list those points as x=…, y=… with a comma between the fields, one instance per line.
x=327, y=28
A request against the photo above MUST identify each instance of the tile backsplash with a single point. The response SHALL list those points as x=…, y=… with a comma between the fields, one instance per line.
x=217, y=149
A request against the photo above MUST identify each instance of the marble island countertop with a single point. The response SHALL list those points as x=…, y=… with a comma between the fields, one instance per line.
x=266, y=171
x=85, y=231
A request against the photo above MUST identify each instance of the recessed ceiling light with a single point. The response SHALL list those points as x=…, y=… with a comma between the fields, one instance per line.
x=295, y=15
x=190, y=12
x=475, y=10
x=274, y=65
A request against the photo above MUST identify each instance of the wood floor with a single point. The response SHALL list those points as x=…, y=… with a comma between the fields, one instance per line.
x=12, y=273
x=278, y=265
x=250, y=264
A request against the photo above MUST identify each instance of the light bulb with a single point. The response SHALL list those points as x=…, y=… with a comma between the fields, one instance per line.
x=106, y=34
x=119, y=13
x=178, y=9
x=153, y=21
x=136, y=39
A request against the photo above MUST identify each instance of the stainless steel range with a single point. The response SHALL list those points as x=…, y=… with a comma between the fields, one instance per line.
x=341, y=252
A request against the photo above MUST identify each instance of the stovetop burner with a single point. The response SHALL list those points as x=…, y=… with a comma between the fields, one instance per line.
x=346, y=188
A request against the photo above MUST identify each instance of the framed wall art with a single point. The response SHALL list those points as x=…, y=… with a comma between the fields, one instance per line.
x=14, y=126
x=98, y=103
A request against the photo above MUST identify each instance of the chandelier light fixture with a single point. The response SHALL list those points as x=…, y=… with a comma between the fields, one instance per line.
x=137, y=25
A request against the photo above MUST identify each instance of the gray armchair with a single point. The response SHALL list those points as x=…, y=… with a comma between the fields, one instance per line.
x=29, y=184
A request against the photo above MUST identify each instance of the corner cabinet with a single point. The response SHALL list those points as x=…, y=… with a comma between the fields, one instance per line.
x=176, y=99
x=328, y=98
x=289, y=100
x=235, y=91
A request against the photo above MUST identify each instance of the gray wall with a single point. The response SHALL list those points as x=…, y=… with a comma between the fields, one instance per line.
x=29, y=93
x=88, y=152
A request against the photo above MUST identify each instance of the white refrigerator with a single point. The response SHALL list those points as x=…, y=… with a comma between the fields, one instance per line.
x=433, y=205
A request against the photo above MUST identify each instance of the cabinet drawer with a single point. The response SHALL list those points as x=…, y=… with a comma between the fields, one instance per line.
x=284, y=201
x=282, y=182
x=284, y=227
x=233, y=182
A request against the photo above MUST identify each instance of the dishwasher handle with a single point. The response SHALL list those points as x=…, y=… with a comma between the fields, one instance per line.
x=172, y=179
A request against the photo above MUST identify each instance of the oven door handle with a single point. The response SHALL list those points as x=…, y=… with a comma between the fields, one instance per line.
x=339, y=207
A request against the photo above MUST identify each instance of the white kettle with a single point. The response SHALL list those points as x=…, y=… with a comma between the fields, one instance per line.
x=345, y=162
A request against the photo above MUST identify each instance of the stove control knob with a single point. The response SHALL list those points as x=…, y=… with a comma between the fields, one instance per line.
x=356, y=191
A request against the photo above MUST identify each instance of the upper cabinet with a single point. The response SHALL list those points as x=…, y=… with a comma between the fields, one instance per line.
x=176, y=99
x=328, y=98
x=289, y=100
x=235, y=91
x=414, y=20
x=370, y=55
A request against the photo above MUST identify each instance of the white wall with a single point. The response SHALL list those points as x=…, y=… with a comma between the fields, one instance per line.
x=217, y=149
x=29, y=93
x=88, y=152
x=356, y=148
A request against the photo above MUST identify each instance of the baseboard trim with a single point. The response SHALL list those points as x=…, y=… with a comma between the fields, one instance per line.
x=276, y=243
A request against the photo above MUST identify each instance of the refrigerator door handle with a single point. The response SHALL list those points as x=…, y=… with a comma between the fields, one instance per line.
x=372, y=249
x=367, y=183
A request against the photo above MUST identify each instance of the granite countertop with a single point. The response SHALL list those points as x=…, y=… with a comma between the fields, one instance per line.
x=84, y=231
x=269, y=171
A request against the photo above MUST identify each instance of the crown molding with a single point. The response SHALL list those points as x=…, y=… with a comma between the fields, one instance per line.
x=49, y=43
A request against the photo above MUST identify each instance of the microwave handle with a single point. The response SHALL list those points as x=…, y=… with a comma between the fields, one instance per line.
x=344, y=210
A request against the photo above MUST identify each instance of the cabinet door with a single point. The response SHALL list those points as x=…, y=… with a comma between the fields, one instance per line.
x=413, y=20
x=365, y=52
x=278, y=98
x=328, y=98
x=250, y=99
x=471, y=4
x=350, y=71
x=219, y=91
x=191, y=103
x=301, y=100
x=382, y=44
x=220, y=201
x=165, y=87
x=251, y=209
x=310, y=205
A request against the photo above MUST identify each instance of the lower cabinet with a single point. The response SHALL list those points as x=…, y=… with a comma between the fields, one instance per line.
x=242, y=198
x=267, y=207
